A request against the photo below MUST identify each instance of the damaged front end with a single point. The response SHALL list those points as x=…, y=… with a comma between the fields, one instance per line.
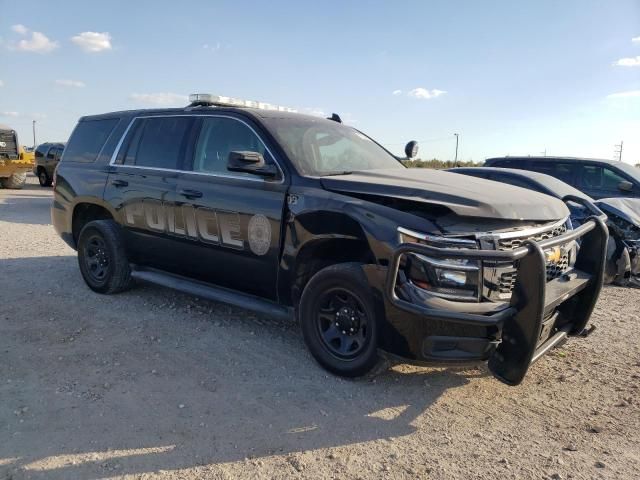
x=507, y=297
x=624, y=227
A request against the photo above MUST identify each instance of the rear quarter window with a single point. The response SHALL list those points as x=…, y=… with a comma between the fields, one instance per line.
x=87, y=140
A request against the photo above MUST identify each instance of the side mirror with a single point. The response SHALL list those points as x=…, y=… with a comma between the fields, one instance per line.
x=411, y=149
x=250, y=162
x=625, y=186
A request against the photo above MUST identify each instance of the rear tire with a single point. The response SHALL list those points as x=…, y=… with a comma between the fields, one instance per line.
x=43, y=178
x=339, y=320
x=15, y=182
x=102, y=258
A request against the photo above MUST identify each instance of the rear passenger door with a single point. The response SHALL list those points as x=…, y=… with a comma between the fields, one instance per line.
x=142, y=187
x=232, y=220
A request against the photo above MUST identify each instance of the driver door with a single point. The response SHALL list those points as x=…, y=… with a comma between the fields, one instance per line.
x=232, y=220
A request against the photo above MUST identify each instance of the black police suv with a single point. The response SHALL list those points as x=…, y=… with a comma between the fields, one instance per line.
x=295, y=215
x=597, y=178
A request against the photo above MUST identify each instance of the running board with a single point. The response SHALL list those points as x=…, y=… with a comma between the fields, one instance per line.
x=211, y=292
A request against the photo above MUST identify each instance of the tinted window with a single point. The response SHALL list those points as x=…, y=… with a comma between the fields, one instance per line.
x=562, y=171
x=597, y=177
x=52, y=153
x=611, y=179
x=88, y=139
x=40, y=151
x=221, y=136
x=158, y=142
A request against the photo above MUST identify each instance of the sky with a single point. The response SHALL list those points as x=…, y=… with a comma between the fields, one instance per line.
x=511, y=78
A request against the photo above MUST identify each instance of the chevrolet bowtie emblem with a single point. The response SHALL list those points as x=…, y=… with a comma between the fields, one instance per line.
x=553, y=255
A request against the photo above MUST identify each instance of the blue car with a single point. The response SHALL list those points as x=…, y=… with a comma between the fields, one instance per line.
x=596, y=178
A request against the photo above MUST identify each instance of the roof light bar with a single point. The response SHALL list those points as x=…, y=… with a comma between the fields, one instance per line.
x=206, y=99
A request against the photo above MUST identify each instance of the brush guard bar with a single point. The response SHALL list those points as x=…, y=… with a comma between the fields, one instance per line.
x=573, y=295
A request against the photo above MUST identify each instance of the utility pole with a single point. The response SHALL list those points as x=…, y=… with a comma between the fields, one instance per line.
x=455, y=162
x=33, y=124
x=618, y=151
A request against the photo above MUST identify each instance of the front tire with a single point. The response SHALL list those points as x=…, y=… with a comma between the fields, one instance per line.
x=43, y=178
x=15, y=182
x=102, y=258
x=339, y=320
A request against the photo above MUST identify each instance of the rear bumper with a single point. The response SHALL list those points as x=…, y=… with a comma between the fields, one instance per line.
x=510, y=335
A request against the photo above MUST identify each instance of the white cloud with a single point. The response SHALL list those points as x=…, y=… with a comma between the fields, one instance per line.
x=70, y=83
x=93, y=42
x=635, y=39
x=19, y=28
x=37, y=43
x=1, y=83
x=425, y=94
x=159, y=99
x=628, y=62
x=27, y=115
x=627, y=94
x=396, y=92
x=213, y=48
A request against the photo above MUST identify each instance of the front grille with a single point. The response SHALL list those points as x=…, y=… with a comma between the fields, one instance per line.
x=513, y=243
x=500, y=277
x=507, y=281
x=10, y=149
x=556, y=269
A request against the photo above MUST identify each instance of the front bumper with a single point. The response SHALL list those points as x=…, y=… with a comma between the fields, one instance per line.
x=512, y=335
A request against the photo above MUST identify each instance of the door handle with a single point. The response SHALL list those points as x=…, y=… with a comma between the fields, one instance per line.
x=190, y=193
x=119, y=183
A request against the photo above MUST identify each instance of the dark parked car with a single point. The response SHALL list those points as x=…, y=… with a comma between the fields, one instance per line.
x=596, y=178
x=304, y=217
x=47, y=156
x=623, y=252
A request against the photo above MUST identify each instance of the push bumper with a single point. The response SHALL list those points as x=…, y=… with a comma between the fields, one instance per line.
x=539, y=315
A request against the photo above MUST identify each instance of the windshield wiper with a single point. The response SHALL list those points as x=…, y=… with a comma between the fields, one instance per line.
x=331, y=174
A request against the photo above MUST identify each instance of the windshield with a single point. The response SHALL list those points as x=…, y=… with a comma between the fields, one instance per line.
x=320, y=147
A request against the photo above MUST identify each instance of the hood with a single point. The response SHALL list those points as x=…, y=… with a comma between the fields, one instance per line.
x=462, y=194
x=626, y=208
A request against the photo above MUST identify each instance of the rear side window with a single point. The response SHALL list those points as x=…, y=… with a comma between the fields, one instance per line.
x=158, y=142
x=567, y=172
x=87, y=140
x=40, y=151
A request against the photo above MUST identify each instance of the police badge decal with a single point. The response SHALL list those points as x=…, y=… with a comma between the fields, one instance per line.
x=259, y=234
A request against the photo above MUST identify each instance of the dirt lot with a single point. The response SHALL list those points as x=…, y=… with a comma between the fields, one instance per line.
x=151, y=383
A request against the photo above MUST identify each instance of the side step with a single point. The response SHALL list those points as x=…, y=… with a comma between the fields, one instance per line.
x=211, y=292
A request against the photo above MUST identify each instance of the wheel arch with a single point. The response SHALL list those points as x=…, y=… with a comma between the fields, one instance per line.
x=316, y=240
x=84, y=211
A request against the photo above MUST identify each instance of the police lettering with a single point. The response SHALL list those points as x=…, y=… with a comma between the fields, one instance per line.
x=216, y=227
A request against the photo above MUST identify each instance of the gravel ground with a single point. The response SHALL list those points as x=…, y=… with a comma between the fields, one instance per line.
x=152, y=383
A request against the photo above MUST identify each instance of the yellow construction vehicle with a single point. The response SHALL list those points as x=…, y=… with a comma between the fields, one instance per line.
x=14, y=161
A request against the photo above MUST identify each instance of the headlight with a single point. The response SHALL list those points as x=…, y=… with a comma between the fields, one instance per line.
x=450, y=278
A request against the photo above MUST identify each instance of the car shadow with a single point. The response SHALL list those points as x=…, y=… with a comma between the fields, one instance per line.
x=120, y=403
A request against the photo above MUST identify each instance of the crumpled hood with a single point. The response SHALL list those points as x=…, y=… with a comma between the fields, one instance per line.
x=463, y=194
x=626, y=208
